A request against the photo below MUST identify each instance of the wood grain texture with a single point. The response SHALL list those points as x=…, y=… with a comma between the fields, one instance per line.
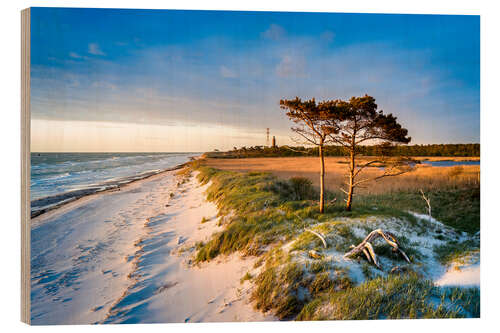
x=25, y=165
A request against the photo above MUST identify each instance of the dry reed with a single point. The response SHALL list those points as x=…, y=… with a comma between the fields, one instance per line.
x=423, y=176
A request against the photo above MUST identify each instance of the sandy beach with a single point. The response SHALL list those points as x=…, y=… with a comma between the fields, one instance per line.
x=124, y=257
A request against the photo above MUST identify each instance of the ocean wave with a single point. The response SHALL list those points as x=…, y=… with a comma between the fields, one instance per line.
x=50, y=188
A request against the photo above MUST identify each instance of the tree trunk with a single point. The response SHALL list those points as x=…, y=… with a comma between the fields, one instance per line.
x=322, y=180
x=351, y=182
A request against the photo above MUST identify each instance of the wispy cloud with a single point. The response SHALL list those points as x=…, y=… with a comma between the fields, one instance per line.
x=234, y=69
x=291, y=67
x=195, y=82
x=75, y=55
x=227, y=73
x=95, y=49
x=275, y=32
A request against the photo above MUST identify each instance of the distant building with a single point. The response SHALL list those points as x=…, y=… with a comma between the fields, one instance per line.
x=274, y=141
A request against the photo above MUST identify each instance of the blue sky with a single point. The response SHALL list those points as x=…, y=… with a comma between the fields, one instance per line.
x=217, y=77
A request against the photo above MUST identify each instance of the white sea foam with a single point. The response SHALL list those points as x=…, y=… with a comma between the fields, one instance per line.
x=56, y=174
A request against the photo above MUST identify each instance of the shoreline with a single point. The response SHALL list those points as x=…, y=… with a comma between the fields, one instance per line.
x=128, y=258
x=75, y=195
x=68, y=205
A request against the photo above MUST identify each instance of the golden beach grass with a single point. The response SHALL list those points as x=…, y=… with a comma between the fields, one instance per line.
x=422, y=177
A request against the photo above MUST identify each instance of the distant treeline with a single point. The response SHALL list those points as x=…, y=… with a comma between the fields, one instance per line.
x=467, y=150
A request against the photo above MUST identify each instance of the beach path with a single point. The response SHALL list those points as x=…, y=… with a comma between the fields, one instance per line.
x=124, y=257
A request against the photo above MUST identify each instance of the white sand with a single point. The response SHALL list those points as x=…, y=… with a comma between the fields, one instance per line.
x=114, y=258
x=468, y=276
x=464, y=272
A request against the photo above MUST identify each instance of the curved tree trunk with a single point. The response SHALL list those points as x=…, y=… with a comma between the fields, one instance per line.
x=322, y=180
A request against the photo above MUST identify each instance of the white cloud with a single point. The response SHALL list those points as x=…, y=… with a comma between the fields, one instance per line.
x=227, y=73
x=274, y=32
x=75, y=55
x=95, y=49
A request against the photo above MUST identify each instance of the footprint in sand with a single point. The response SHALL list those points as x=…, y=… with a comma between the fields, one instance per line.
x=97, y=308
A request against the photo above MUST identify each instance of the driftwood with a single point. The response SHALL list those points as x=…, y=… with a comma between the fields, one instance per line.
x=428, y=201
x=315, y=254
x=366, y=248
x=314, y=232
x=319, y=236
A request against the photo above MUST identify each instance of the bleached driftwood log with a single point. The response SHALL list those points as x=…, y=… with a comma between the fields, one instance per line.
x=319, y=236
x=366, y=248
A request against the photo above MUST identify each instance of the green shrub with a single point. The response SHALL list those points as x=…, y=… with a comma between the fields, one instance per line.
x=294, y=189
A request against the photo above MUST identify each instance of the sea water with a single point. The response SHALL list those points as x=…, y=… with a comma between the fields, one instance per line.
x=59, y=177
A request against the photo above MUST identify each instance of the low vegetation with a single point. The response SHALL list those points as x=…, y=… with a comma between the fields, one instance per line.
x=458, y=207
x=455, y=251
x=423, y=176
x=393, y=297
x=246, y=277
x=285, y=286
x=296, y=277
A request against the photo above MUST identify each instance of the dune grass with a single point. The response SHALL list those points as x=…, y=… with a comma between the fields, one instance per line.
x=458, y=207
x=264, y=209
x=454, y=191
x=454, y=251
x=262, y=213
x=286, y=286
x=393, y=297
